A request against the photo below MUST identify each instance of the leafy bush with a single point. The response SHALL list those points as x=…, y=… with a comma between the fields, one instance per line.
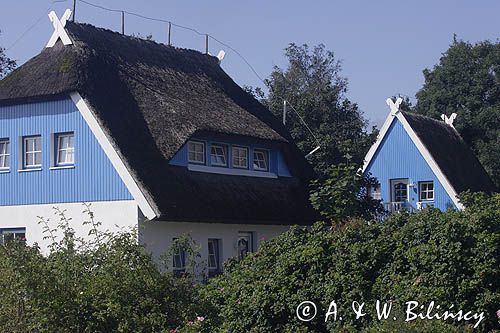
x=106, y=284
x=447, y=257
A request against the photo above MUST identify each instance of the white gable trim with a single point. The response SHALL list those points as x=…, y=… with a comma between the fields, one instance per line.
x=421, y=148
x=112, y=154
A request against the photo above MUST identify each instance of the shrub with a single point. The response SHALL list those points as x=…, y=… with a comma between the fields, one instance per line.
x=106, y=284
x=447, y=257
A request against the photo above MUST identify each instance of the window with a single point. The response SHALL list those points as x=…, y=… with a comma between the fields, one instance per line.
x=65, y=150
x=245, y=244
x=375, y=193
x=218, y=155
x=196, y=152
x=4, y=154
x=7, y=235
x=240, y=157
x=32, y=152
x=213, y=256
x=426, y=191
x=260, y=160
x=179, y=258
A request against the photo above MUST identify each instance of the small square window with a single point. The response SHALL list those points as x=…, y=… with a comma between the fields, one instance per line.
x=426, y=191
x=32, y=148
x=218, y=155
x=214, y=256
x=65, y=149
x=196, y=152
x=260, y=160
x=4, y=154
x=240, y=157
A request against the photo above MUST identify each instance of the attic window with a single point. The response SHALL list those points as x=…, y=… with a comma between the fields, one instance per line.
x=65, y=153
x=196, y=152
x=32, y=152
x=218, y=155
x=260, y=160
x=426, y=191
x=240, y=157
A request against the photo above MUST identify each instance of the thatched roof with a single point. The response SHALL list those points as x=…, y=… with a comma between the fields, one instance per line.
x=453, y=156
x=151, y=98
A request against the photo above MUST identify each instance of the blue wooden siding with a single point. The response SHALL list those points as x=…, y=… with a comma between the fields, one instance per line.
x=93, y=177
x=398, y=157
x=277, y=164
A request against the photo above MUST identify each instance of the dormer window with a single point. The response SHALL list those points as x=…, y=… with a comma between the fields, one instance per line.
x=218, y=155
x=240, y=157
x=260, y=160
x=196, y=152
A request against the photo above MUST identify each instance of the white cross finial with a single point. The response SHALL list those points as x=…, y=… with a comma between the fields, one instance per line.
x=449, y=120
x=59, y=31
x=394, y=106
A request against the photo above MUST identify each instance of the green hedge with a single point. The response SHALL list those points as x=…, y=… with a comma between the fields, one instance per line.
x=450, y=258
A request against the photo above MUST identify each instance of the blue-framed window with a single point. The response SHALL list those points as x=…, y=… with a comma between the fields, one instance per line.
x=32, y=152
x=64, y=149
x=196, y=152
x=240, y=157
x=261, y=159
x=218, y=155
x=4, y=154
x=10, y=234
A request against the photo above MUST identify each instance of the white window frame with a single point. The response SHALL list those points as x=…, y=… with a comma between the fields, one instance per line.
x=248, y=237
x=33, y=152
x=196, y=143
x=264, y=153
x=180, y=255
x=217, y=154
x=239, y=158
x=427, y=191
x=59, y=138
x=4, y=154
x=214, y=255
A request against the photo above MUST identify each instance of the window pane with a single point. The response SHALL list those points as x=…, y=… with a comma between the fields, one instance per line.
x=218, y=155
x=38, y=144
x=260, y=161
x=30, y=159
x=62, y=156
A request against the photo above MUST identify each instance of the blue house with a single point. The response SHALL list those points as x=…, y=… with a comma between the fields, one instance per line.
x=422, y=162
x=153, y=137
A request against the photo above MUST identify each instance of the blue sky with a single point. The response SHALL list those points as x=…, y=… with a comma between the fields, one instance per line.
x=384, y=45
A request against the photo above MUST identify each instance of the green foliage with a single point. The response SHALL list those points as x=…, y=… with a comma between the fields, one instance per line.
x=344, y=194
x=467, y=81
x=107, y=284
x=6, y=64
x=313, y=85
x=447, y=257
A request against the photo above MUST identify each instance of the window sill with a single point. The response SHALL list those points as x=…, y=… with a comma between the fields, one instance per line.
x=229, y=171
x=5, y=171
x=30, y=170
x=60, y=167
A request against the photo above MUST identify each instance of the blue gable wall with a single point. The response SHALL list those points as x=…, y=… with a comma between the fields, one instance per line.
x=398, y=157
x=92, y=179
x=277, y=164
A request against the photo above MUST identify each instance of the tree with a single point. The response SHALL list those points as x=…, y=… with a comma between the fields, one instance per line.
x=467, y=81
x=344, y=194
x=315, y=89
x=6, y=64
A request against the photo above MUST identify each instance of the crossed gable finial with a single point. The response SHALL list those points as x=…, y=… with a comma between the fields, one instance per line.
x=394, y=105
x=59, y=31
x=449, y=120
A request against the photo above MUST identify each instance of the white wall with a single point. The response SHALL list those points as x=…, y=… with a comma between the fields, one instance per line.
x=158, y=235
x=114, y=216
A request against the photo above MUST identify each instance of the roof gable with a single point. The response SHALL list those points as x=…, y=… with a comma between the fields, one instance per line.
x=451, y=160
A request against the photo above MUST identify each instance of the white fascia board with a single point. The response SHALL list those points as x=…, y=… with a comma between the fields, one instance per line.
x=117, y=162
x=430, y=161
x=373, y=149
